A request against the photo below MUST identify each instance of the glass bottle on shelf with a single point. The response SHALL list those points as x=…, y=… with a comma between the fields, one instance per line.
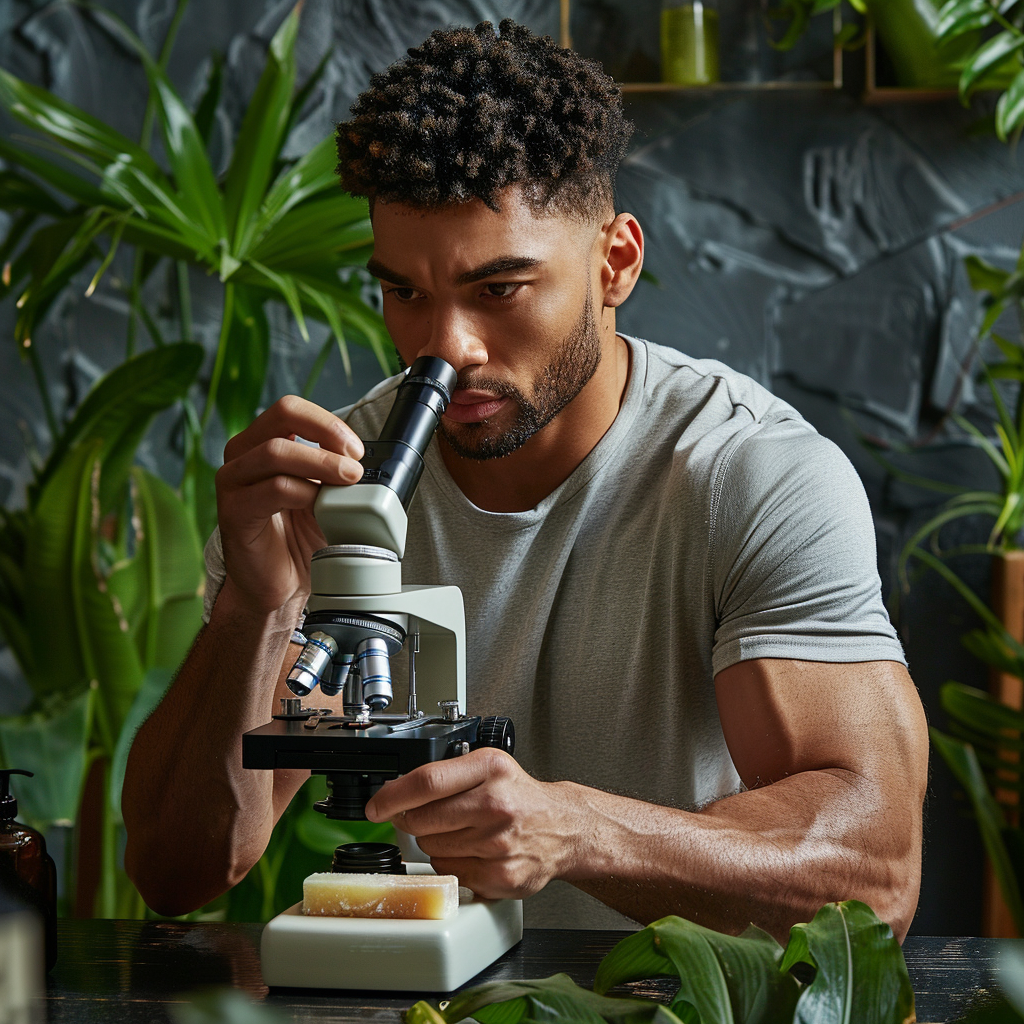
x=689, y=42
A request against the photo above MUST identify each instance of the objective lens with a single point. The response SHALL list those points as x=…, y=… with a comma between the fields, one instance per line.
x=374, y=669
x=313, y=665
x=342, y=669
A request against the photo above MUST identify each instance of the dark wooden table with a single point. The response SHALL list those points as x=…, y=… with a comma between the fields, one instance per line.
x=134, y=972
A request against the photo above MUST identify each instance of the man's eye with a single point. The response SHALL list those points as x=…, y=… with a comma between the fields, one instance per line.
x=502, y=291
x=403, y=294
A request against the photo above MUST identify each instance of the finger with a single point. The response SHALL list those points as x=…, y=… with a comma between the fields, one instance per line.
x=465, y=842
x=487, y=879
x=291, y=416
x=261, y=501
x=427, y=783
x=280, y=457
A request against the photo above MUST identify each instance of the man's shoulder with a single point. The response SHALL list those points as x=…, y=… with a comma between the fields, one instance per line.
x=707, y=411
x=675, y=376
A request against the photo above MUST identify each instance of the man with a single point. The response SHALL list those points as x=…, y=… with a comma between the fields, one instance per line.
x=669, y=576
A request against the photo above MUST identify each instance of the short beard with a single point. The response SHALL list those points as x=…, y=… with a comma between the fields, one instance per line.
x=570, y=370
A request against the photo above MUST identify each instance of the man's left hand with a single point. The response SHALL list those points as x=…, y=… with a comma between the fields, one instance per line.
x=482, y=818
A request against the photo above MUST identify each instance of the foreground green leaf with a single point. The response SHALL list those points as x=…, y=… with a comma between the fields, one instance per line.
x=860, y=972
x=723, y=978
x=554, y=999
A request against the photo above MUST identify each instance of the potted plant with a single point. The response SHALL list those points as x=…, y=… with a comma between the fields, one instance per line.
x=101, y=572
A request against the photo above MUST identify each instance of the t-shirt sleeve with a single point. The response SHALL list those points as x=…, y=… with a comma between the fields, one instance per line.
x=792, y=555
x=213, y=555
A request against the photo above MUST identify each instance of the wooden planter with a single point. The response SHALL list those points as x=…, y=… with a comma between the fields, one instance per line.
x=1008, y=604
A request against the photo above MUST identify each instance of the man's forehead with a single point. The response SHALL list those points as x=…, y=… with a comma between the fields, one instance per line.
x=469, y=241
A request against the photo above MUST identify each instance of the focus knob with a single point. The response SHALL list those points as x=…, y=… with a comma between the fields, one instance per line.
x=499, y=732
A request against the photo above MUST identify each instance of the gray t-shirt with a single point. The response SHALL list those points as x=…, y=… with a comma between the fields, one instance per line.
x=710, y=525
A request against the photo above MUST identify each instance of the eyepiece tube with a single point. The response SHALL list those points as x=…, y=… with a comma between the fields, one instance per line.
x=313, y=665
x=420, y=403
x=397, y=457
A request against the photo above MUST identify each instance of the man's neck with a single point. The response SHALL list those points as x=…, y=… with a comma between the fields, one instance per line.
x=522, y=480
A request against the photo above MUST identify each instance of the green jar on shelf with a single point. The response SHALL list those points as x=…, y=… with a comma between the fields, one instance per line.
x=689, y=42
x=907, y=31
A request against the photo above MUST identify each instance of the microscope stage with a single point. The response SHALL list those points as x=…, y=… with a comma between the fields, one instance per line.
x=388, y=955
x=335, y=746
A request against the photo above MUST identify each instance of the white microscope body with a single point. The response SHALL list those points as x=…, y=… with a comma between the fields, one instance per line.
x=359, y=616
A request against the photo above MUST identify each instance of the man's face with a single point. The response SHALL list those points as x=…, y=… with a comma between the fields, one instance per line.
x=504, y=297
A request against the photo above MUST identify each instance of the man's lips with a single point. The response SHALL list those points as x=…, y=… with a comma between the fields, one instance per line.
x=473, y=406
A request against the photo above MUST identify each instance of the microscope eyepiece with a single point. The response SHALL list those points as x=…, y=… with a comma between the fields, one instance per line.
x=396, y=459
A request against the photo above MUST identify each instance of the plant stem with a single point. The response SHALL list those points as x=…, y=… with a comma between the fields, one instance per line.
x=145, y=137
x=107, y=899
x=44, y=393
x=184, y=300
x=154, y=331
x=165, y=55
x=133, y=302
x=222, y=348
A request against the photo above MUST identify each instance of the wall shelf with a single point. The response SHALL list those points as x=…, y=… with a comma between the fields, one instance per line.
x=878, y=95
x=779, y=85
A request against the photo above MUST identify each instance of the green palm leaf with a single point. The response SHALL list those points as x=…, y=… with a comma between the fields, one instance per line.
x=262, y=135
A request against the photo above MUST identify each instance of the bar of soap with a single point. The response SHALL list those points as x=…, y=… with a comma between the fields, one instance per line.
x=335, y=894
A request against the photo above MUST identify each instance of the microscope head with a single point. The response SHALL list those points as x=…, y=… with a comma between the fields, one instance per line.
x=365, y=524
x=372, y=512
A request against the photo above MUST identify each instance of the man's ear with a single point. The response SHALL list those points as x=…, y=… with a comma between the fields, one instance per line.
x=622, y=241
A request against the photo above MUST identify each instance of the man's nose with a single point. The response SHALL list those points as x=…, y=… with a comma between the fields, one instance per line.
x=455, y=339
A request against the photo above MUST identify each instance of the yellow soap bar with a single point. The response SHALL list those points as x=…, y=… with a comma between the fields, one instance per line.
x=428, y=897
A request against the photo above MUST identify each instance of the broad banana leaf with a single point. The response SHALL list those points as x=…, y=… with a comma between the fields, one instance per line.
x=159, y=591
x=119, y=409
x=72, y=623
x=53, y=745
x=154, y=685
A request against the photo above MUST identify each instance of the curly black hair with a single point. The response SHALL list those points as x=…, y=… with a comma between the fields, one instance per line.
x=471, y=112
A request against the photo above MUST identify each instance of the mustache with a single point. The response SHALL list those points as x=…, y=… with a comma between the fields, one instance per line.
x=499, y=388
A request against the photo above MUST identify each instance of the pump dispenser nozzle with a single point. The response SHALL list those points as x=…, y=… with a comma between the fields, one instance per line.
x=8, y=804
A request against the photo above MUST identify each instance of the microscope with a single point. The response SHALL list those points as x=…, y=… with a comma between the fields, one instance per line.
x=359, y=617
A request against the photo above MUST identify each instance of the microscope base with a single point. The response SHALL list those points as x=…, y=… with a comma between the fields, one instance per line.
x=388, y=955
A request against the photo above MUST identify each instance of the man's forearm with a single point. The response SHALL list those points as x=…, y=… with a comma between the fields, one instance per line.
x=196, y=820
x=771, y=856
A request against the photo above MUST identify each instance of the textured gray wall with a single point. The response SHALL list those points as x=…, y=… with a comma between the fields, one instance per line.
x=806, y=239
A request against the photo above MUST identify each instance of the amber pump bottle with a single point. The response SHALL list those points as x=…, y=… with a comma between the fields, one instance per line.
x=27, y=871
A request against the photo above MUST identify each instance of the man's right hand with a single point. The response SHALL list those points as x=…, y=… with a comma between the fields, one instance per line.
x=265, y=494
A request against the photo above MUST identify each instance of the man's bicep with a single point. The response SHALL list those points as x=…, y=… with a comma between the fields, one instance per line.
x=781, y=717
